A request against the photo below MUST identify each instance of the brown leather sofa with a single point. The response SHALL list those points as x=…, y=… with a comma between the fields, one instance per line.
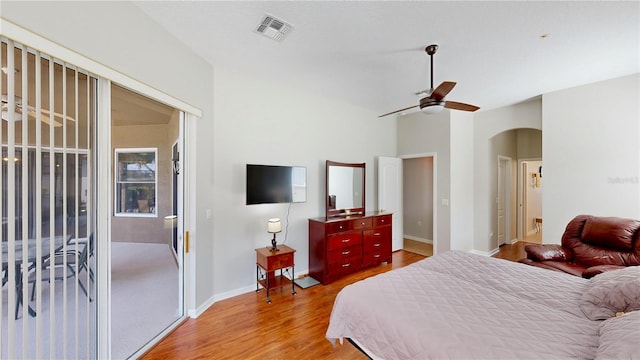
x=590, y=245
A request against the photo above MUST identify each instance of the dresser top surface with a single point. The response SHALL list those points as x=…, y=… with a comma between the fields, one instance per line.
x=323, y=219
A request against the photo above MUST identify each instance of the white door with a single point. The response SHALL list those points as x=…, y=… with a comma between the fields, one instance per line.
x=390, y=195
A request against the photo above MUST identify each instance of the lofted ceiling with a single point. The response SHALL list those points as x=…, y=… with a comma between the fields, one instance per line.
x=129, y=108
x=371, y=54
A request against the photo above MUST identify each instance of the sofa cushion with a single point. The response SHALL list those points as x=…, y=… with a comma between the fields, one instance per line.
x=619, y=337
x=612, y=292
x=568, y=267
x=610, y=232
x=540, y=252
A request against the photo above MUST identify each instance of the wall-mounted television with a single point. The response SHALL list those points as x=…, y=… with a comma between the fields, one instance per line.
x=271, y=184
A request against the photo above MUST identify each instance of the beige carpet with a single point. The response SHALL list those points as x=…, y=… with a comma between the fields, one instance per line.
x=144, y=302
x=418, y=247
x=144, y=288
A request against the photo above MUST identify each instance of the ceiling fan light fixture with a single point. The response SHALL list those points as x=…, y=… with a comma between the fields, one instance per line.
x=432, y=109
x=431, y=106
x=16, y=116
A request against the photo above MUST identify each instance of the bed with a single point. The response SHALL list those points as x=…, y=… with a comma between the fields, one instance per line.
x=458, y=305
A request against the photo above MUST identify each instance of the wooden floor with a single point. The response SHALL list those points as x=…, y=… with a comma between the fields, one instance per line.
x=291, y=327
x=417, y=247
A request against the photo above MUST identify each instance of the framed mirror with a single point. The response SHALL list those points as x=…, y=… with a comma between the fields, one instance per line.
x=345, y=188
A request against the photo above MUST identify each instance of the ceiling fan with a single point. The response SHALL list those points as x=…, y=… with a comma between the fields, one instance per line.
x=432, y=100
x=47, y=118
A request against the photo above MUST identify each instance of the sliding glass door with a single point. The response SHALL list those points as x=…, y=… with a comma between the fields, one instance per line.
x=47, y=208
x=146, y=260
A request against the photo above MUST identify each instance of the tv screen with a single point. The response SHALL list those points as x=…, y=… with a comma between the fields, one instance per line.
x=271, y=184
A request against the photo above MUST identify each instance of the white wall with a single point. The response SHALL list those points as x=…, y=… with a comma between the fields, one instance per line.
x=419, y=134
x=282, y=126
x=462, y=180
x=591, y=153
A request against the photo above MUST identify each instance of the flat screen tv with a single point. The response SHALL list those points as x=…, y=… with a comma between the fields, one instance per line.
x=271, y=184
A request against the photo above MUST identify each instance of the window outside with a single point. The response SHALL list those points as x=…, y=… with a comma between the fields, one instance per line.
x=136, y=180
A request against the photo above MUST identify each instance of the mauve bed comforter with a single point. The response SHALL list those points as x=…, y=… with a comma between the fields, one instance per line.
x=458, y=305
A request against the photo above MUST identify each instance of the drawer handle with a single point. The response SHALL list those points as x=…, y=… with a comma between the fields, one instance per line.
x=376, y=245
x=381, y=220
x=363, y=223
x=376, y=234
x=345, y=240
x=340, y=226
x=346, y=265
x=346, y=252
x=376, y=255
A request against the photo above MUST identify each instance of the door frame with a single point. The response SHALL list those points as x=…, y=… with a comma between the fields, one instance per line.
x=507, y=180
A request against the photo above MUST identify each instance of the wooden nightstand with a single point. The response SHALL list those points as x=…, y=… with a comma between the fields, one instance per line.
x=268, y=262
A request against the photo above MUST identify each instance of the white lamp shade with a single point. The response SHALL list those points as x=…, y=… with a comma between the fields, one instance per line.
x=274, y=225
x=170, y=221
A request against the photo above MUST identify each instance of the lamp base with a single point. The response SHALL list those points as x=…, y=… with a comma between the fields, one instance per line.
x=273, y=244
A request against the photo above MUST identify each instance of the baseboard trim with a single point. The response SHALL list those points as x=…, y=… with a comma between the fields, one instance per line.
x=415, y=238
x=485, y=253
x=194, y=313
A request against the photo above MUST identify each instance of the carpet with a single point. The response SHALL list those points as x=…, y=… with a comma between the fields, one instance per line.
x=144, y=302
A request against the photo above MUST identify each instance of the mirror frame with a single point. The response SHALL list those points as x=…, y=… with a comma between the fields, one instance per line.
x=339, y=212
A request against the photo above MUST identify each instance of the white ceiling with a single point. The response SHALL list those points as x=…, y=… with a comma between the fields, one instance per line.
x=372, y=53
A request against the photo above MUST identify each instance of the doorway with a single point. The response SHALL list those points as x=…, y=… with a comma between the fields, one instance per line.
x=146, y=262
x=530, y=216
x=418, y=204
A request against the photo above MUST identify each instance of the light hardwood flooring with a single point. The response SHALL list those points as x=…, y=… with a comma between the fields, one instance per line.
x=418, y=247
x=291, y=327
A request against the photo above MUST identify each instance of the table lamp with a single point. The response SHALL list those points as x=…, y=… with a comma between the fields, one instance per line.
x=274, y=226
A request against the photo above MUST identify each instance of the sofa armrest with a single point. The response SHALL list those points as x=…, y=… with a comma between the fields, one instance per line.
x=592, y=271
x=547, y=252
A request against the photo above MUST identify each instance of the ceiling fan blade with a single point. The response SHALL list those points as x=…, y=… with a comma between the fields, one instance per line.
x=47, y=119
x=442, y=90
x=397, y=111
x=460, y=106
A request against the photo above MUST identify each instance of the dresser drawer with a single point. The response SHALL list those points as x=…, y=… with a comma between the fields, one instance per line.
x=345, y=266
x=339, y=226
x=275, y=262
x=376, y=257
x=363, y=223
x=376, y=238
x=382, y=220
x=350, y=253
x=344, y=240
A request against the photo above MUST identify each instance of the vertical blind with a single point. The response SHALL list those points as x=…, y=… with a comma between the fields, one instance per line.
x=47, y=301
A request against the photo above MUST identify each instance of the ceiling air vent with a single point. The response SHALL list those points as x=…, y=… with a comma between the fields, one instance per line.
x=274, y=28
